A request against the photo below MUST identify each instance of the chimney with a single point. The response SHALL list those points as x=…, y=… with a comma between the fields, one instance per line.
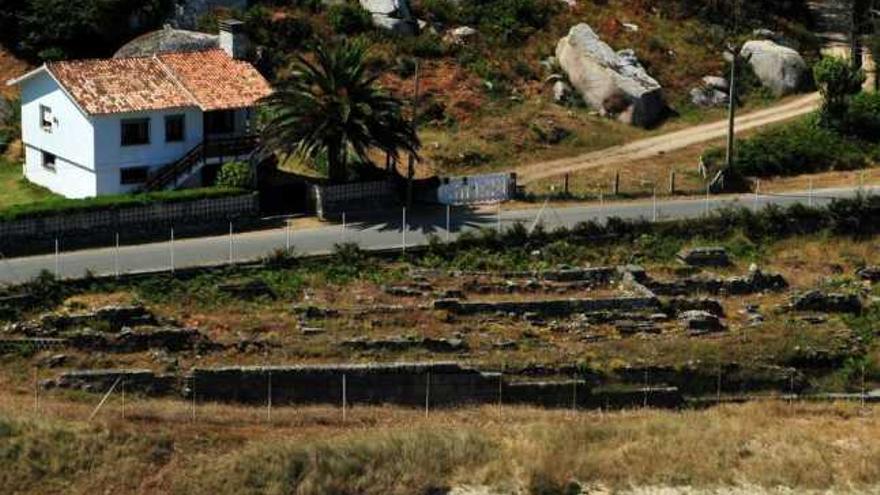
x=233, y=39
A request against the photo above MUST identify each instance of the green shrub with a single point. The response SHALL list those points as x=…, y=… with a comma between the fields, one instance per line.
x=349, y=18
x=793, y=149
x=235, y=175
x=424, y=46
x=863, y=116
x=509, y=20
x=444, y=12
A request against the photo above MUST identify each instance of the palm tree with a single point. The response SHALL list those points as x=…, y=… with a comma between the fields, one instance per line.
x=334, y=107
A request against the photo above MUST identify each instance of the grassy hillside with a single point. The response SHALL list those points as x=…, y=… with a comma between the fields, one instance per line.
x=158, y=450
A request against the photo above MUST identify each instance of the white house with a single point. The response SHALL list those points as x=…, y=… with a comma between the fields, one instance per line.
x=96, y=127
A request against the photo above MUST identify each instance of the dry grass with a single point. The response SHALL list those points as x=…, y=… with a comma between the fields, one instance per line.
x=228, y=449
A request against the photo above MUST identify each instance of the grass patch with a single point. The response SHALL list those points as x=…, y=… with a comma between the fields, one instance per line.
x=18, y=192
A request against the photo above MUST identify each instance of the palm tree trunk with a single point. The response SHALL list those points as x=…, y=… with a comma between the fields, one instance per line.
x=336, y=163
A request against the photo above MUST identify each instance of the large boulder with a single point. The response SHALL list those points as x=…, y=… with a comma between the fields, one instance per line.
x=780, y=69
x=392, y=15
x=615, y=83
x=712, y=92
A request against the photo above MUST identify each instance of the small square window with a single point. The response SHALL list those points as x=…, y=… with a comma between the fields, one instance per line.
x=135, y=132
x=46, y=118
x=49, y=161
x=175, y=128
x=133, y=175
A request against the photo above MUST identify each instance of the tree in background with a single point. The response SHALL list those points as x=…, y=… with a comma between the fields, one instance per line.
x=55, y=29
x=837, y=81
x=334, y=107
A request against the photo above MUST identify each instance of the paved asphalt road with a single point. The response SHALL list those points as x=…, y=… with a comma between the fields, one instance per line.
x=380, y=231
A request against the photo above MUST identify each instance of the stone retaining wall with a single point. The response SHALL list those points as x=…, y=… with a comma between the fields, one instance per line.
x=559, y=307
x=441, y=384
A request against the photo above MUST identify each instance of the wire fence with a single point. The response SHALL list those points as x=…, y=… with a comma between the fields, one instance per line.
x=374, y=231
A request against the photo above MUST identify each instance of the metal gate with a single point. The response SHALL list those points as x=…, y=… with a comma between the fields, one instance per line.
x=477, y=189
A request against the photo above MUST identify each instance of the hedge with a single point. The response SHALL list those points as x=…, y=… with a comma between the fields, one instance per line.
x=62, y=206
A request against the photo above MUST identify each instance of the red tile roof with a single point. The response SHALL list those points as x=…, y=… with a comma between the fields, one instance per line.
x=216, y=80
x=210, y=80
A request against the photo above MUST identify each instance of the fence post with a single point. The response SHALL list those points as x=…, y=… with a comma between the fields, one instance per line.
x=36, y=391
x=344, y=398
x=427, y=393
x=343, y=227
x=672, y=183
x=57, y=259
x=565, y=185
x=810, y=194
x=287, y=236
x=269, y=399
x=708, y=191
x=403, y=229
x=448, y=221
x=172, y=249
x=757, y=193
x=193, y=403
x=498, y=218
x=615, y=189
x=116, y=257
x=654, y=206
x=231, y=246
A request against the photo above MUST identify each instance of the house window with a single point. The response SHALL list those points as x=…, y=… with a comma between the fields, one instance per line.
x=133, y=175
x=135, y=131
x=220, y=122
x=48, y=161
x=174, y=128
x=46, y=118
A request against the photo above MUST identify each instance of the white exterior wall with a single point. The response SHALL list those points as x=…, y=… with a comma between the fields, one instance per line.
x=111, y=156
x=69, y=180
x=71, y=139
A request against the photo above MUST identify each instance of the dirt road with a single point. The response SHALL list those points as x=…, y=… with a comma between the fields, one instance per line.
x=665, y=143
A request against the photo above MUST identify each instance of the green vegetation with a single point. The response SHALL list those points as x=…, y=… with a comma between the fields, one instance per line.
x=55, y=29
x=333, y=108
x=349, y=18
x=235, y=175
x=54, y=205
x=843, y=135
x=837, y=82
x=801, y=147
x=16, y=191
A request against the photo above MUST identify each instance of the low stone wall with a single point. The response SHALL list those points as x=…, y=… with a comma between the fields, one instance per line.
x=441, y=384
x=100, y=381
x=403, y=384
x=558, y=307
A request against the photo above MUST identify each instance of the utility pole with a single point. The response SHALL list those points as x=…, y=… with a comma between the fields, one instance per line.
x=411, y=167
x=731, y=108
x=734, y=49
